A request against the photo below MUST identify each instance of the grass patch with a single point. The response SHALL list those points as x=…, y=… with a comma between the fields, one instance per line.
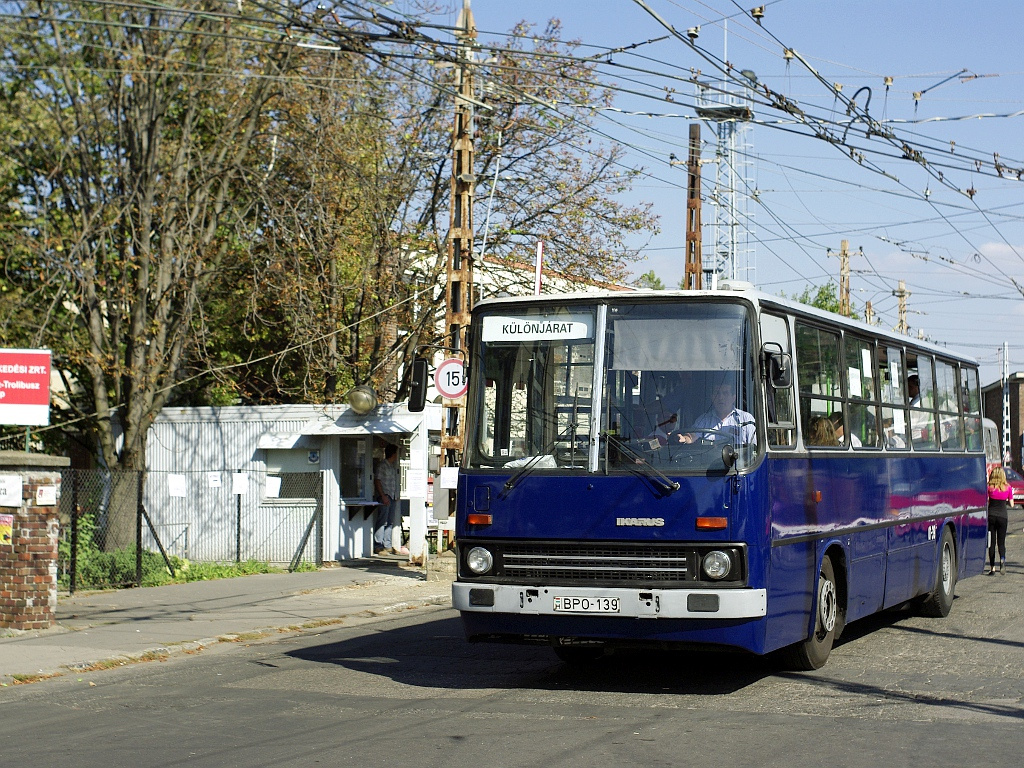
x=99, y=569
x=27, y=679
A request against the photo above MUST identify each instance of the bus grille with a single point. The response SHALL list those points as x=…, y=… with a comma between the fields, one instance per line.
x=609, y=564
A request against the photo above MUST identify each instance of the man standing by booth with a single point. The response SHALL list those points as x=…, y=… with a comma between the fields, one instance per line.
x=386, y=485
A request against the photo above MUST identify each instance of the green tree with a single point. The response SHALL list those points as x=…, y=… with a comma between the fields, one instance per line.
x=127, y=181
x=823, y=297
x=651, y=281
x=197, y=207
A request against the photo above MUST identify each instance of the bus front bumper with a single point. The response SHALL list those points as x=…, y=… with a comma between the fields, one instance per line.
x=600, y=601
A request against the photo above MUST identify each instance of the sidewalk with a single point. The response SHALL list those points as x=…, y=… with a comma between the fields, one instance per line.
x=102, y=629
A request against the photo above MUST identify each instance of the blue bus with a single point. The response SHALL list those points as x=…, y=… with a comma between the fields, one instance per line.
x=702, y=469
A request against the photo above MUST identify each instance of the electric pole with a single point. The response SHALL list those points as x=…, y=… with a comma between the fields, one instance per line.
x=902, y=294
x=1006, y=403
x=694, y=269
x=844, y=278
x=459, y=286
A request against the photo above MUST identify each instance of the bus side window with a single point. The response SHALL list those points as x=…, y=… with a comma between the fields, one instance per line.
x=921, y=394
x=951, y=430
x=970, y=399
x=861, y=426
x=818, y=371
x=778, y=400
x=894, y=406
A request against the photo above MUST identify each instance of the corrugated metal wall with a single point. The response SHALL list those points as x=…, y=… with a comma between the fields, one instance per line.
x=193, y=456
x=207, y=439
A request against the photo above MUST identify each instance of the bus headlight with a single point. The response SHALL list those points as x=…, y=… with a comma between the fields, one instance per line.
x=479, y=560
x=717, y=564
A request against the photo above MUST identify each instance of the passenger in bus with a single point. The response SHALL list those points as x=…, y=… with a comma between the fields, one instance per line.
x=914, y=390
x=837, y=423
x=893, y=439
x=1000, y=494
x=821, y=432
x=724, y=417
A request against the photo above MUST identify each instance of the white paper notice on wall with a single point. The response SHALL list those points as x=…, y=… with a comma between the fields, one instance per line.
x=273, y=487
x=177, y=485
x=213, y=479
x=416, y=483
x=449, y=477
x=240, y=483
x=46, y=495
x=10, y=490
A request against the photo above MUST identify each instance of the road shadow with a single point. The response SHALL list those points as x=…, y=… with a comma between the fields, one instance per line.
x=435, y=654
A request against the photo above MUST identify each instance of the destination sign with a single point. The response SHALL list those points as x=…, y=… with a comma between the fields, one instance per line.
x=538, y=328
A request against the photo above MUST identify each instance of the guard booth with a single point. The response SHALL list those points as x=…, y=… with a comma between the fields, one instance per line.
x=358, y=443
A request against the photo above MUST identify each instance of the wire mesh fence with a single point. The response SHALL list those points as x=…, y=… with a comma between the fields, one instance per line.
x=116, y=526
x=236, y=516
x=100, y=529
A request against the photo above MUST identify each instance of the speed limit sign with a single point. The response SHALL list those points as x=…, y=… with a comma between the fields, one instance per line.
x=450, y=379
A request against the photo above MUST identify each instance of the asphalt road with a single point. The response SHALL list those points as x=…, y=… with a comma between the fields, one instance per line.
x=899, y=690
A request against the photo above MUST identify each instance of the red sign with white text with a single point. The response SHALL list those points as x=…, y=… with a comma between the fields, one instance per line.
x=25, y=387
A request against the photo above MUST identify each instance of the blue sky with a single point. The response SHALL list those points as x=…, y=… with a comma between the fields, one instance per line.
x=958, y=255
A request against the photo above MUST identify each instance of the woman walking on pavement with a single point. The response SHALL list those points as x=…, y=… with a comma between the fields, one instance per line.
x=999, y=493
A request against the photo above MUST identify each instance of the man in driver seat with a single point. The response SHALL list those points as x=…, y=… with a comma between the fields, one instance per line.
x=723, y=417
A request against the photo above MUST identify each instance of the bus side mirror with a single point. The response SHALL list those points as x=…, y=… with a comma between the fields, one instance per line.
x=728, y=455
x=418, y=391
x=779, y=365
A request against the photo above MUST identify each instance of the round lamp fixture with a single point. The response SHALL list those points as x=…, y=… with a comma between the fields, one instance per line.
x=361, y=399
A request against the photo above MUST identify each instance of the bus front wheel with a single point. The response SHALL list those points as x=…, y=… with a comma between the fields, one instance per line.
x=813, y=652
x=938, y=602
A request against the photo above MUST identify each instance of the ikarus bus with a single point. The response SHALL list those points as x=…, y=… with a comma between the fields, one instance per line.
x=709, y=468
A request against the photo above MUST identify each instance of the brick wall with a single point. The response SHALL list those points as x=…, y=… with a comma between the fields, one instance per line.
x=28, y=563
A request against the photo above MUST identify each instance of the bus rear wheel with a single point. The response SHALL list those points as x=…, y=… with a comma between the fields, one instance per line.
x=813, y=652
x=938, y=602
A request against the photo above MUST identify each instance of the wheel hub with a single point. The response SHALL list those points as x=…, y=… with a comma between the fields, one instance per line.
x=828, y=605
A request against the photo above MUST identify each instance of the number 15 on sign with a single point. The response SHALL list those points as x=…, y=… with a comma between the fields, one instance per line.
x=450, y=379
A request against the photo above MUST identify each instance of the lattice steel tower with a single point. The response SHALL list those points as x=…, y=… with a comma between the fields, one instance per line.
x=727, y=113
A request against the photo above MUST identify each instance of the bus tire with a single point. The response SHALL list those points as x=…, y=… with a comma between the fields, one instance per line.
x=938, y=602
x=813, y=652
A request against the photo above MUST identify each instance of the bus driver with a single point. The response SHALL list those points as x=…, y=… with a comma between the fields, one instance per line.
x=724, y=417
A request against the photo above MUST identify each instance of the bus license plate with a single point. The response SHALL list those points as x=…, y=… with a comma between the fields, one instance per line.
x=570, y=604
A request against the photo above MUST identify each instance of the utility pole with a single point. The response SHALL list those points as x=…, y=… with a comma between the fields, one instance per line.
x=694, y=269
x=1006, y=403
x=844, y=278
x=869, y=313
x=901, y=294
x=459, y=286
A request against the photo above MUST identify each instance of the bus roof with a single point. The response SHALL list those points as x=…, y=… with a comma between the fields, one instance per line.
x=734, y=290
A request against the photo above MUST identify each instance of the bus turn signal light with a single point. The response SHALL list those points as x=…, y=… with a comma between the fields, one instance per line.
x=712, y=523
x=478, y=519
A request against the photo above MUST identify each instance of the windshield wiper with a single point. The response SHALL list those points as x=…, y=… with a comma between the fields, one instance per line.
x=643, y=467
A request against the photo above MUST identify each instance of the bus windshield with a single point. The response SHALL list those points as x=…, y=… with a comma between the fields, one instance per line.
x=680, y=386
x=676, y=388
